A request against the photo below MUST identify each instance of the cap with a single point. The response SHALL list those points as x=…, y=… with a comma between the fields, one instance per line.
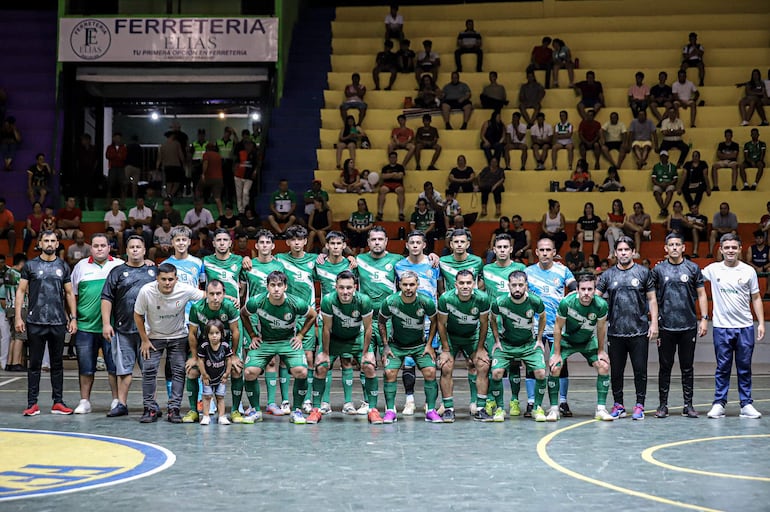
x=318, y=181
x=664, y=152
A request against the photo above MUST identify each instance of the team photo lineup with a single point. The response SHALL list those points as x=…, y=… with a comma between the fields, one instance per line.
x=240, y=326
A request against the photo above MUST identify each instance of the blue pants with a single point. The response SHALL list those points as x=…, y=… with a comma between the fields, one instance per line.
x=740, y=343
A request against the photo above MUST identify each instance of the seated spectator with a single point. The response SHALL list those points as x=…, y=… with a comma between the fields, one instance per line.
x=593, y=264
x=436, y=204
x=350, y=180
x=522, y=241
x=79, y=250
x=580, y=181
x=167, y=210
x=676, y=221
x=685, y=95
x=638, y=225
x=204, y=243
x=283, y=208
x=665, y=179
x=354, y=98
x=250, y=223
x=590, y=135
x=562, y=139
x=531, y=95
x=542, y=136
x=428, y=93
x=141, y=214
x=591, y=95
x=319, y=223
x=612, y=181
x=392, y=178
x=68, y=219
x=428, y=61
x=672, y=130
x=161, y=240
x=516, y=138
x=553, y=224
x=405, y=57
x=692, y=56
x=468, y=41
x=366, y=181
x=350, y=138
x=112, y=241
x=115, y=218
x=39, y=179
x=727, y=156
x=493, y=96
x=661, y=96
x=588, y=228
x=228, y=221
x=491, y=179
x=754, y=99
x=764, y=221
x=359, y=224
x=212, y=180
x=462, y=177
x=644, y=138
x=541, y=58
x=694, y=180
x=754, y=152
x=562, y=58
x=315, y=191
x=198, y=217
x=574, y=259
x=426, y=138
x=695, y=228
x=493, y=137
x=49, y=223
x=758, y=256
x=638, y=95
x=402, y=137
x=504, y=224
x=385, y=62
x=33, y=226
x=423, y=219
x=7, y=230
x=616, y=220
x=394, y=24
x=241, y=246
x=614, y=137
x=10, y=137
x=451, y=207
x=724, y=222
x=456, y=95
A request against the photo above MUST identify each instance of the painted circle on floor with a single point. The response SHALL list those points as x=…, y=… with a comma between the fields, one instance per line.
x=41, y=462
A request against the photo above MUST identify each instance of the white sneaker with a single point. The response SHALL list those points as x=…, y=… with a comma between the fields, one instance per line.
x=717, y=411
x=408, y=408
x=222, y=420
x=114, y=403
x=84, y=407
x=326, y=408
x=744, y=123
x=349, y=408
x=553, y=414
x=603, y=414
x=307, y=406
x=473, y=408
x=285, y=407
x=748, y=411
x=205, y=419
x=363, y=410
x=100, y=365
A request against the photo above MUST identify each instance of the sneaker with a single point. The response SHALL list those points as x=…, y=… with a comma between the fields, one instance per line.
x=205, y=420
x=717, y=411
x=490, y=407
x=349, y=409
x=199, y=406
x=374, y=417
x=638, y=412
x=61, y=408
x=483, y=416
x=662, y=412
x=408, y=409
x=32, y=410
x=274, y=410
x=432, y=168
x=297, y=418
x=307, y=406
x=528, y=410
x=539, y=414
x=618, y=411
x=513, y=408
x=114, y=403
x=285, y=407
x=222, y=420
x=149, y=416
x=326, y=408
x=748, y=411
x=448, y=416
x=472, y=408
x=689, y=411
x=174, y=417
x=553, y=414
x=363, y=410
x=191, y=417
x=118, y=410
x=315, y=416
x=390, y=417
x=252, y=417
x=100, y=365
x=84, y=407
x=235, y=417
x=433, y=417
x=564, y=410
x=499, y=415
x=602, y=414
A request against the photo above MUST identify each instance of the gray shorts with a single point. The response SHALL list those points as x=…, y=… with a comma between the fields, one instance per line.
x=217, y=389
x=125, y=352
x=11, y=315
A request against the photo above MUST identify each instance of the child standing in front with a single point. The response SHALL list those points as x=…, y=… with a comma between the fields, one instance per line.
x=214, y=365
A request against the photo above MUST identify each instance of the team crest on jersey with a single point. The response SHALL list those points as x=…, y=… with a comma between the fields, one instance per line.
x=287, y=316
x=388, y=267
x=556, y=281
x=592, y=316
x=178, y=303
x=684, y=278
x=125, y=274
x=233, y=267
x=420, y=312
x=530, y=313
x=40, y=272
x=58, y=272
x=474, y=311
x=634, y=282
x=151, y=273
x=355, y=314
x=223, y=317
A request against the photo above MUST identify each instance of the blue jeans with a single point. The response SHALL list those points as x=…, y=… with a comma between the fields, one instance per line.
x=87, y=346
x=740, y=344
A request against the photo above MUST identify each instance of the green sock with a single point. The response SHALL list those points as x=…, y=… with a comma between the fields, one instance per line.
x=602, y=386
x=328, y=387
x=553, y=390
x=390, y=394
x=193, y=389
x=319, y=386
x=252, y=393
x=496, y=387
x=481, y=401
x=309, y=383
x=371, y=391
x=472, y=384
x=449, y=401
x=236, y=390
x=283, y=381
x=431, y=393
x=271, y=380
x=347, y=384
x=515, y=380
x=300, y=391
x=540, y=385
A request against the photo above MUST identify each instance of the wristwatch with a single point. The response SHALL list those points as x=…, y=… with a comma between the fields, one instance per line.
x=704, y=317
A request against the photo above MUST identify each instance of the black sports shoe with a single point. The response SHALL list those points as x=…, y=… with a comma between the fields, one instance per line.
x=149, y=416
x=448, y=416
x=689, y=411
x=481, y=415
x=564, y=410
x=173, y=416
x=118, y=410
x=662, y=412
x=528, y=412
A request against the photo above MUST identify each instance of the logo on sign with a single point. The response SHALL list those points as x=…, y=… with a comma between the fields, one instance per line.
x=90, y=39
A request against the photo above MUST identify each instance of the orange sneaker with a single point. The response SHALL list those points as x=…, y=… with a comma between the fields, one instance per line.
x=374, y=417
x=315, y=416
x=199, y=406
x=60, y=408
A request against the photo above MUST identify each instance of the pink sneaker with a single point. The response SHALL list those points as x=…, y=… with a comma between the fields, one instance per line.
x=390, y=417
x=433, y=417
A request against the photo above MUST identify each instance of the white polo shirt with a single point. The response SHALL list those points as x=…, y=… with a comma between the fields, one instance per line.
x=164, y=315
x=731, y=290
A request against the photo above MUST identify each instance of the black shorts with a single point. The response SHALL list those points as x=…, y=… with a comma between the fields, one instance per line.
x=456, y=105
x=614, y=145
x=692, y=62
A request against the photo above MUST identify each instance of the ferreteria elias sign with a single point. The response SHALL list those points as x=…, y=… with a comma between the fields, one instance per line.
x=241, y=39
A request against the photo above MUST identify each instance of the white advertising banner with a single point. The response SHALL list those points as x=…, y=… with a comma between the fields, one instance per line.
x=239, y=39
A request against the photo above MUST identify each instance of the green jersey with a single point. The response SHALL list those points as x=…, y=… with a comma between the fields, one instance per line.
x=300, y=273
x=517, y=325
x=88, y=279
x=496, y=278
x=422, y=221
x=450, y=267
x=10, y=285
x=664, y=173
x=580, y=324
x=347, y=319
x=277, y=323
x=377, y=276
x=228, y=271
x=463, y=315
x=256, y=278
x=360, y=220
x=201, y=313
x=326, y=274
x=408, y=320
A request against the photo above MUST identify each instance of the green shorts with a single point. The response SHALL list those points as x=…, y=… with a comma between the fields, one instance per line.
x=347, y=349
x=310, y=338
x=490, y=341
x=531, y=355
x=416, y=353
x=463, y=345
x=589, y=350
x=262, y=355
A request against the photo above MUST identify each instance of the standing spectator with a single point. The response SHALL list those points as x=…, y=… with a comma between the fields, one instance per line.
x=456, y=95
x=638, y=95
x=758, y=256
x=428, y=93
x=727, y=156
x=283, y=208
x=516, y=138
x=350, y=178
x=427, y=138
x=115, y=218
x=694, y=180
x=10, y=138
x=39, y=179
x=665, y=179
x=392, y=176
x=402, y=137
x=394, y=24
x=385, y=62
x=354, y=98
x=79, y=250
x=198, y=217
x=754, y=152
x=34, y=224
x=616, y=219
x=359, y=224
x=580, y=181
x=562, y=136
x=591, y=95
x=672, y=130
x=588, y=228
x=692, y=56
x=405, y=57
x=562, y=58
x=428, y=61
x=116, y=154
x=685, y=95
x=87, y=175
x=695, y=228
x=553, y=224
x=469, y=41
x=754, y=99
x=462, y=177
x=542, y=136
x=493, y=137
x=590, y=135
x=245, y=174
x=52, y=313
x=614, y=136
x=68, y=219
x=212, y=182
x=542, y=59
x=735, y=292
x=7, y=230
x=724, y=222
x=493, y=96
x=491, y=179
x=531, y=95
x=198, y=148
x=638, y=225
x=661, y=96
x=644, y=138
x=134, y=164
x=171, y=160
x=351, y=135
x=226, y=146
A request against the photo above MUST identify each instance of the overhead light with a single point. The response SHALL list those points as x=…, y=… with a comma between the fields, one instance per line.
x=154, y=116
x=221, y=115
x=255, y=116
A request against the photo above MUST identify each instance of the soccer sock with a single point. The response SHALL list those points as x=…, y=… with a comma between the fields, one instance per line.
x=319, y=387
x=481, y=401
x=496, y=387
x=449, y=402
x=472, y=384
x=371, y=391
x=328, y=387
x=236, y=389
x=309, y=384
x=192, y=388
x=390, y=394
x=530, y=383
x=252, y=393
x=431, y=393
x=300, y=391
x=408, y=376
x=553, y=390
x=515, y=379
x=540, y=386
x=270, y=383
x=347, y=384
x=283, y=381
x=563, y=388
x=602, y=387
